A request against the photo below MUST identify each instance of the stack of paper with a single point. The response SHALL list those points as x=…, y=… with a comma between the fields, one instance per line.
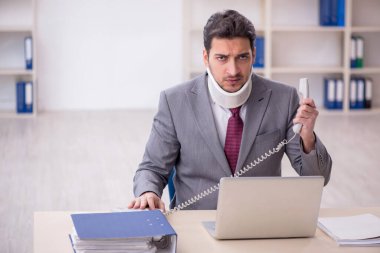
x=359, y=230
x=142, y=231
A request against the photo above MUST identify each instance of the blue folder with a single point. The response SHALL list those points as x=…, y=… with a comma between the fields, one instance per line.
x=360, y=102
x=353, y=54
x=118, y=225
x=28, y=51
x=260, y=57
x=341, y=12
x=24, y=97
x=353, y=94
x=324, y=13
x=332, y=12
x=368, y=93
x=330, y=93
x=20, y=97
x=339, y=93
x=28, y=102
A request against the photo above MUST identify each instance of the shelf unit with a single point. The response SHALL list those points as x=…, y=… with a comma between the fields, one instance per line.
x=17, y=21
x=295, y=45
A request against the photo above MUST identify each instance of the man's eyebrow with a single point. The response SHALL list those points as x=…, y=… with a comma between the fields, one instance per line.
x=221, y=54
x=226, y=55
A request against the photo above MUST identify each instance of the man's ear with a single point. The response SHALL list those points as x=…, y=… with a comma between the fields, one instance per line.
x=205, y=57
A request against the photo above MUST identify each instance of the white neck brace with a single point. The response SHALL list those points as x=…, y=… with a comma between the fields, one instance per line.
x=228, y=99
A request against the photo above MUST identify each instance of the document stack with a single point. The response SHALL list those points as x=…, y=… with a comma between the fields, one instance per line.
x=135, y=232
x=359, y=230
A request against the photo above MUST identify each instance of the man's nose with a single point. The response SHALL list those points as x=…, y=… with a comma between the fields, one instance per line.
x=232, y=68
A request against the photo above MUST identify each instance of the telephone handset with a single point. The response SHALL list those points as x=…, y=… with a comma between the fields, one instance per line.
x=304, y=93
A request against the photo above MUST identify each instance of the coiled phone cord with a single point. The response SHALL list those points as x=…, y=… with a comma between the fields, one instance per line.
x=244, y=170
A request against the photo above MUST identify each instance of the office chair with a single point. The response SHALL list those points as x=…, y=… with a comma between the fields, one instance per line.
x=171, y=185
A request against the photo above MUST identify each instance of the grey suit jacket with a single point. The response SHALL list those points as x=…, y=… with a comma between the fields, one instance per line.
x=184, y=135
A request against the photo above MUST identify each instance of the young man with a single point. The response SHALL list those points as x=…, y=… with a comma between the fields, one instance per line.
x=212, y=126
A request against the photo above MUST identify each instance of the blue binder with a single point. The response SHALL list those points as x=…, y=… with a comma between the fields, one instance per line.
x=339, y=87
x=360, y=102
x=28, y=102
x=28, y=51
x=360, y=93
x=259, y=61
x=353, y=54
x=324, y=13
x=341, y=12
x=20, y=97
x=330, y=93
x=332, y=12
x=123, y=225
x=24, y=97
x=368, y=93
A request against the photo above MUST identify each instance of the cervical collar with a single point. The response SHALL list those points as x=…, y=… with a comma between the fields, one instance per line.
x=228, y=99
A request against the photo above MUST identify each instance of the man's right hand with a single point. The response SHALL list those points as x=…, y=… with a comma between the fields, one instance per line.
x=147, y=200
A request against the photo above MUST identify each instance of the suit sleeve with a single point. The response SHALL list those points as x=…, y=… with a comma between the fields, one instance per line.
x=160, y=155
x=318, y=161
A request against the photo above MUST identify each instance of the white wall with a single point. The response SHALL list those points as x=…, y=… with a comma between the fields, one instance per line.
x=107, y=54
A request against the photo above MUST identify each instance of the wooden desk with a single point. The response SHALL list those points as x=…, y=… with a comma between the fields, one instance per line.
x=51, y=231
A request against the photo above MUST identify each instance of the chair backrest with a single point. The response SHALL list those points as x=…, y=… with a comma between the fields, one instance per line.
x=171, y=185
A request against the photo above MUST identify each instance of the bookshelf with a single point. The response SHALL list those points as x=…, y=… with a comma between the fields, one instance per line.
x=17, y=21
x=295, y=44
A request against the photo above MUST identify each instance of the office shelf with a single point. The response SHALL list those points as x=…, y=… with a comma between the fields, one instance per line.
x=17, y=21
x=294, y=70
x=16, y=72
x=295, y=45
x=306, y=29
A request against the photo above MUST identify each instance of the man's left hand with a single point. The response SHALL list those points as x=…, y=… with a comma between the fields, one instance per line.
x=307, y=114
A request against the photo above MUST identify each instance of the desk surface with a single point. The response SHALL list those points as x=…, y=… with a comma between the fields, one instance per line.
x=51, y=231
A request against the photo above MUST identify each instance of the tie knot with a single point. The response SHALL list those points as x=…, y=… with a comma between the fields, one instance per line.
x=235, y=111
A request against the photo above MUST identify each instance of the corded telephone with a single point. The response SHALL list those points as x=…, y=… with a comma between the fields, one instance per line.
x=303, y=93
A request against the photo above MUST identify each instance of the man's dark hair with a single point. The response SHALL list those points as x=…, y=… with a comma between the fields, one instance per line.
x=228, y=24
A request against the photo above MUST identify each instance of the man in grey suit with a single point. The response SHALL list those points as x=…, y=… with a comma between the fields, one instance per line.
x=214, y=125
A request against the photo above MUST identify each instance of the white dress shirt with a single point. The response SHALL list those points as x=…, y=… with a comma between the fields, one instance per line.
x=221, y=117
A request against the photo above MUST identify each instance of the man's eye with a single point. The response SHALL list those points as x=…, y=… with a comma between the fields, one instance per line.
x=221, y=58
x=243, y=57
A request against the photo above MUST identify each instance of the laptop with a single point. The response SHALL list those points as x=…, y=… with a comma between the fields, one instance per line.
x=267, y=207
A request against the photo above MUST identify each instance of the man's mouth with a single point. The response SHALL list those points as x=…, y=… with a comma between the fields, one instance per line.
x=233, y=80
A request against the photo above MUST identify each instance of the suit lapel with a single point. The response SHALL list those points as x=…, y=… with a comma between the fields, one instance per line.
x=256, y=107
x=200, y=103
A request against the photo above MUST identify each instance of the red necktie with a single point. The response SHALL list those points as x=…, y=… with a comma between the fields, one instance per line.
x=233, y=138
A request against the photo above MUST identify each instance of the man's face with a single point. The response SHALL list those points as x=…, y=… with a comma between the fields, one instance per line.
x=230, y=62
